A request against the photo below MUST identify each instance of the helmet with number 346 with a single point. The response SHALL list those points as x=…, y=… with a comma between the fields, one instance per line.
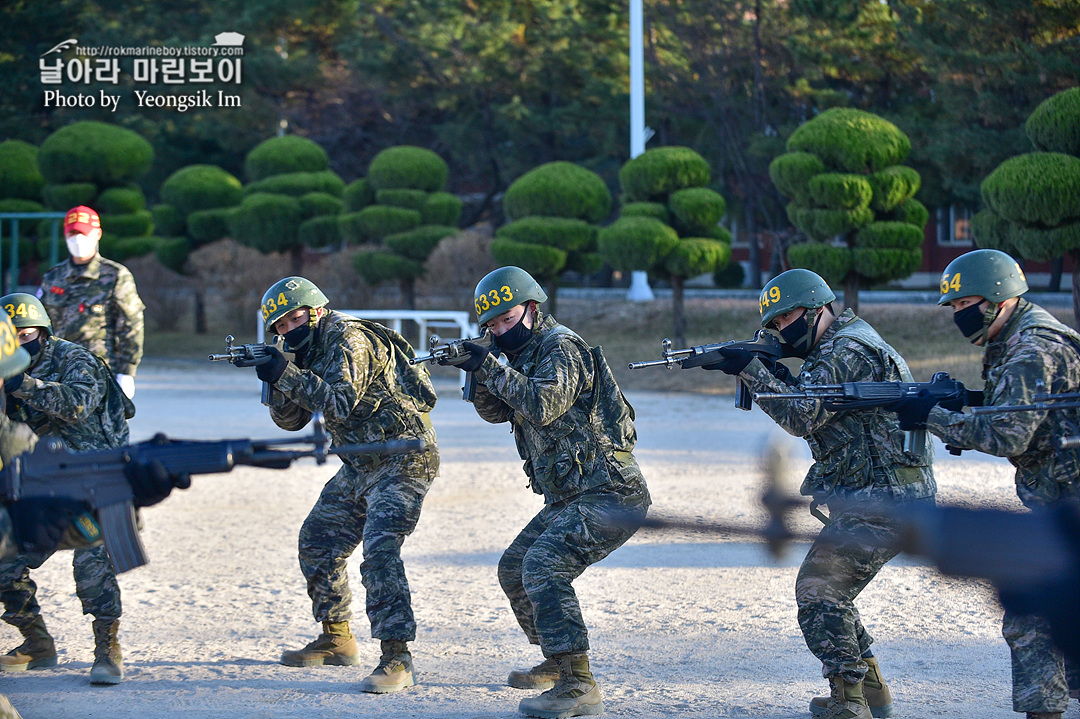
x=502, y=290
x=288, y=294
x=990, y=274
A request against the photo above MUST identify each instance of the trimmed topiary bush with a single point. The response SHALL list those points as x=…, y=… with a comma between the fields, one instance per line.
x=317, y=204
x=405, y=167
x=696, y=210
x=418, y=244
x=376, y=222
x=137, y=224
x=566, y=234
x=693, y=256
x=95, y=152
x=912, y=212
x=120, y=201
x=1039, y=188
x=646, y=209
x=636, y=243
x=791, y=174
x=895, y=235
x=321, y=231
x=409, y=199
x=125, y=248
x=357, y=195
x=206, y=226
x=284, y=155
x=1055, y=124
x=299, y=183
x=20, y=177
x=15, y=205
x=840, y=191
x=851, y=140
x=441, y=208
x=167, y=220
x=62, y=198
x=656, y=173
x=173, y=252
x=201, y=187
x=832, y=263
x=266, y=222
x=558, y=189
x=537, y=260
x=893, y=186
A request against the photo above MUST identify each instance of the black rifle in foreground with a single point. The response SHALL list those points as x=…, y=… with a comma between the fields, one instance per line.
x=765, y=345
x=251, y=355
x=443, y=352
x=861, y=395
x=97, y=477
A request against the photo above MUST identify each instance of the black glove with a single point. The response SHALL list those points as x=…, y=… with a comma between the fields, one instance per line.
x=151, y=482
x=734, y=362
x=13, y=383
x=476, y=357
x=270, y=371
x=40, y=522
x=967, y=398
x=913, y=411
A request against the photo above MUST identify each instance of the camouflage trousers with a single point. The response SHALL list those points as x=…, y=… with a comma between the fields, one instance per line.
x=95, y=584
x=537, y=569
x=1038, y=668
x=351, y=510
x=844, y=557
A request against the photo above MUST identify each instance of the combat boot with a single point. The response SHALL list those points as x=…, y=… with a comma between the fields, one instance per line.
x=575, y=694
x=875, y=690
x=542, y=676
x=108, y=661
x=335, y=646
x=846, y=701
x=36, y=651
x=395, y=670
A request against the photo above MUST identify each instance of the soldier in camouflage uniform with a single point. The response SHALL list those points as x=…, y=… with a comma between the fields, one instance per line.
x=93, y=301
x=357, y=374
x=575, y=431
x=68, y=393
x=859, y=462
x=1024, y=346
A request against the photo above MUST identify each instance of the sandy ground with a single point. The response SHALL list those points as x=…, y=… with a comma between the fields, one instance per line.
x=681, y=625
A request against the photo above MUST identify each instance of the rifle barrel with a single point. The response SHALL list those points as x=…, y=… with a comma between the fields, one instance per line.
x=653, y=363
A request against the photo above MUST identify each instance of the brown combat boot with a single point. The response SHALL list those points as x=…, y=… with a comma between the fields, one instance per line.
x=335, y=646
x=108, y=661
x=575, y=694
x=395, y=670
x=36, y=652
x=875, y=690
x=542, y=676
x=846, y=701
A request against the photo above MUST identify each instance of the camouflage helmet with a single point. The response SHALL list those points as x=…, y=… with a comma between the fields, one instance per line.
x=504, y=289
x=13, y=358
x=990, y=274
x=791, y=290
x=26, y=311
x=287, y=295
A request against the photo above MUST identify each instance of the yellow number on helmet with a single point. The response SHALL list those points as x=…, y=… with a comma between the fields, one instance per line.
x=10, y=309
x=266, y=313
x=955, y=284
x=507, y=293
x=282, y=300
x=774, y=293
x=21, y=309
x=495, y=301
x=477, y=302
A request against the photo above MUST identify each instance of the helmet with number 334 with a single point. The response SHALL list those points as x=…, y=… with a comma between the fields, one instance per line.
x=288, y=294
x=502, y=290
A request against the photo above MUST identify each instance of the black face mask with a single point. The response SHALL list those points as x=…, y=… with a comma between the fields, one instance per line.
x=298, y=339
x=798, y=336
x=972, y=322
x=33, y=346
x=514, y=338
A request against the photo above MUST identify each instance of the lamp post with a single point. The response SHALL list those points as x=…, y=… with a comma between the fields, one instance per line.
x=639, y=280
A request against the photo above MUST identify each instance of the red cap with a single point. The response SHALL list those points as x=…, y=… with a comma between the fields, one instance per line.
x=81, y=219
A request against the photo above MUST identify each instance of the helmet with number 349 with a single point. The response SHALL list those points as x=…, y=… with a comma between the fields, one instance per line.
x=791, y=290
x=502, y=290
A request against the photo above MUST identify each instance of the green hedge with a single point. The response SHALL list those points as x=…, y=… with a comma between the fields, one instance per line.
x=1044, y=245
x=882, y=265
x=991, y=231
x=540, y=261
x=832, y=263
x=320, y=231
x=636, y=243
x=566, y=234
x=791, y=174
x=26, y=250
x=656, y=173
x=408, y=199
x=823, y=225
x=120, y=201
x=137, y=224
x=206, y=226
x=441, y=208
x=317, y=204
x=1054, y=126
x=1039, y=188
x=696, y=210
x=16, y=205
x=408, y=168
x=850, y=140
x=840, y=191
x=357, y=195
x=63, y=197
x=127, y=247
x=168, y=222
x=657, y=210
x=891, y=235
x=730, y=276
x=284, y=155
x=894, y=186
x=94, y=152
x=694, y=256
x=375, y=222
x=299, y=183
x=584, y=263
x=173, y=252
x=418, y=244
x=20, y=177
x=558, y=189
x=378, y=266
x=912, y=212
x=201, y=187
x=266, y=222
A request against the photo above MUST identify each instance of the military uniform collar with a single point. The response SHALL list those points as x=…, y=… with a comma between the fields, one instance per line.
x=839, y=322
x=91, y=270
x=48, y=343
x=1012, y=326
x=546, y=323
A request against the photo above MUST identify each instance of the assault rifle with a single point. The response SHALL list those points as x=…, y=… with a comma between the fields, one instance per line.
x=861, y=395
x=252, y=355
x=765, y=345
x=440, y=352
x=97, y=477
x=1041, y=401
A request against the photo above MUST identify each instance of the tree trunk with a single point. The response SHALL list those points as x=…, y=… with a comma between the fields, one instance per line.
x=851, y=292
x=200, y=310
x=678, y=321
x=1056, y=267
x=408, y=294
x=296, y=256
x=553, y=296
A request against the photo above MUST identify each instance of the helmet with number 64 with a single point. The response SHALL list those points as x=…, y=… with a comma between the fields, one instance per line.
x=504, y=289
x=990, y=274
x=288, y=294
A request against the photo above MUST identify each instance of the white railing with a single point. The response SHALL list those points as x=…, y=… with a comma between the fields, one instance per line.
x=461, y=322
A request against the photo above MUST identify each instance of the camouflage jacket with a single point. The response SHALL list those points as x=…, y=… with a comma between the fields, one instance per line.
x=97, y=306
x=858, y=454
x=1032, y=346
x=353, y=373
x=15, y=438
x=69, y=393
x=573, y=427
